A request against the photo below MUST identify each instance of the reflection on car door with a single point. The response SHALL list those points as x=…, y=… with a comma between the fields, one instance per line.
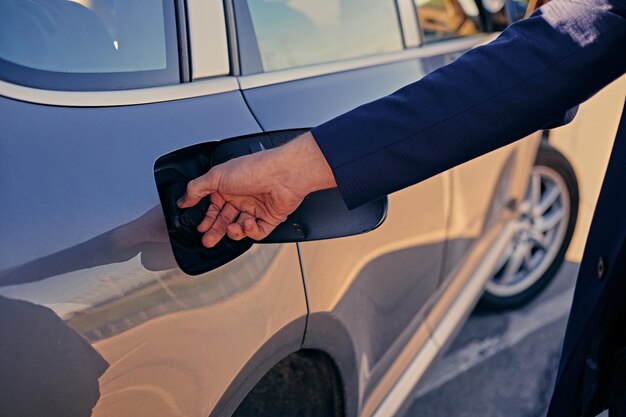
x=374, y=286
x=85, y=236
x=486, y=192
x=377, y=283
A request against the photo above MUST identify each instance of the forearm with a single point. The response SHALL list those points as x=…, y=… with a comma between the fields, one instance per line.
x=491, y=96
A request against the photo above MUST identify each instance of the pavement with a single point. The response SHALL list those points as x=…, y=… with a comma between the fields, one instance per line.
x=501, y=364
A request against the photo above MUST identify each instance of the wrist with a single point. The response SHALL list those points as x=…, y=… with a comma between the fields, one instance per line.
x=304, y=166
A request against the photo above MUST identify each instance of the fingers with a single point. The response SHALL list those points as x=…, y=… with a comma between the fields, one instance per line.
x=248, y=226
x=223, y=218
x=199, y=188
x=245, y=226
x=263, y=229
x=219, y=226
x=217, y=203
x=236, y=230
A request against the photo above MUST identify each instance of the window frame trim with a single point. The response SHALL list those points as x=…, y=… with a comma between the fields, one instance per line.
x=116, y=98
x=251, y=81
x=206, y=20
x=233, y=82
x=411, y=29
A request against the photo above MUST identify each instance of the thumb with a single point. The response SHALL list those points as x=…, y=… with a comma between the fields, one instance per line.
x=199, y=188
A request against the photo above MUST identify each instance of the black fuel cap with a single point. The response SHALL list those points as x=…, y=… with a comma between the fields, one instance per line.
x=182, y=223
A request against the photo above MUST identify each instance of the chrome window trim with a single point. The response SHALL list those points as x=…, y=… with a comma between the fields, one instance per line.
x=408, y=21
x=276, y=77
x=119, y=97
x=225, y=84
x=208, y=41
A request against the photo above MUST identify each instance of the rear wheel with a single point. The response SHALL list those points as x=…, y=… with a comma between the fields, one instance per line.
x=543, y=231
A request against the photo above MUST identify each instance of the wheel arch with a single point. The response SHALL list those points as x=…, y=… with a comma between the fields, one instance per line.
x=279, y=346
x=325, y=336
x=306, y=383
x=326, y=333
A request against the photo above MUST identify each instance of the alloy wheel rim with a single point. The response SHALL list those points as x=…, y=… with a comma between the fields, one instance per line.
x=540, y=229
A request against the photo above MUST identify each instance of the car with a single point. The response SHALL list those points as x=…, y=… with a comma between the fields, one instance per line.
x=100, y=98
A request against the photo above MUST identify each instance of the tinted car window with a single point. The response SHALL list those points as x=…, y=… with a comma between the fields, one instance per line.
x=294, y=33
x=444, y=19
x=88, y=44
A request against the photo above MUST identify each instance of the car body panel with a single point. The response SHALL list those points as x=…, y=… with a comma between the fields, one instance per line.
x=373, y=286
x=478, y=228
x=343, y=276
x=485, y=195
x=486, y=191
x=378, y=285
x=311, y=101
x=84, y=235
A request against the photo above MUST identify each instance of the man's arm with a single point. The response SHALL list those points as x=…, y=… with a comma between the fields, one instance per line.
x=527, y=78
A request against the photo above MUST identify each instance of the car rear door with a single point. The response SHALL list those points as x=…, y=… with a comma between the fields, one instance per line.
x=485, y=192
x=304, y=63
x=82, y=232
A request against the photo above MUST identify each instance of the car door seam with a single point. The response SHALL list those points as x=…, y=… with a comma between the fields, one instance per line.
x=245, y=100
x=306, y=295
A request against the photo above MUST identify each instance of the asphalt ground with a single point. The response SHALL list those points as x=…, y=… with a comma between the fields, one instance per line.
x=500, y=364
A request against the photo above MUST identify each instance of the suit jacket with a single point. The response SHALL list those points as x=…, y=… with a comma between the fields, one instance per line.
x=530, y=77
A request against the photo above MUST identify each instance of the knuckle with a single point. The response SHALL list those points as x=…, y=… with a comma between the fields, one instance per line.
x=192, y=188
x=221, y=223
x=209, y=217
x=220, y=228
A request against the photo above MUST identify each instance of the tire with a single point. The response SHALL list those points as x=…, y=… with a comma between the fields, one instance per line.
x=540, y=240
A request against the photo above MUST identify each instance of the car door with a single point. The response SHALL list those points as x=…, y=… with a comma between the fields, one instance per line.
x=304, y=63
x=83, y=232
x=485, y=192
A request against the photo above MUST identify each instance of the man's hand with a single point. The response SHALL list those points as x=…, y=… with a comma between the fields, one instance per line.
x=253, y=194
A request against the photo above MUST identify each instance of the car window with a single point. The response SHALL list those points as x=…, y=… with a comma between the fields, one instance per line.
x=88, y=44
x=294, y=33
x=444, y=19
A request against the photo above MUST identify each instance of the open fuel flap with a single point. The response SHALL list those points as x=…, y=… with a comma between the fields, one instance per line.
x=322, y=215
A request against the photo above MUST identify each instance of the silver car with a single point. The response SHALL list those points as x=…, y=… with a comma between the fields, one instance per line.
x=103, y=311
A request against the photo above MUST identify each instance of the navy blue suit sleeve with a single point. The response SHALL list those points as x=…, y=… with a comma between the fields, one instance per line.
x=523, y=81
